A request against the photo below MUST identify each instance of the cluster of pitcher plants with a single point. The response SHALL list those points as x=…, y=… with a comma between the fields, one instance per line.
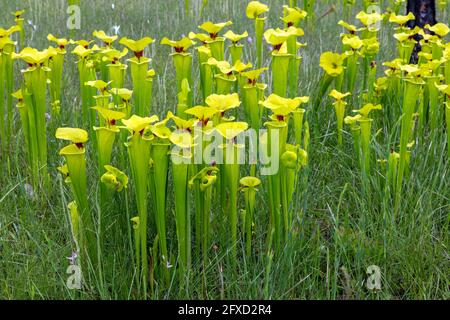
x=154, y=159
x=415, y=93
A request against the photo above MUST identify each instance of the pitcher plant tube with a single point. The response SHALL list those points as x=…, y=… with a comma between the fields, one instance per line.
x=182, y=60
x=229, y=131
x=56, y=64
x=35, y=81
x=139, y=65
x=138, y=144
x=254, y=11
x=74, y=155
x=249, y=188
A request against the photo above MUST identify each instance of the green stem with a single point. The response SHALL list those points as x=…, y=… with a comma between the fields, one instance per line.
x=366, y=128
x=447, y=72
x=252, y=108
x=36, y=84
x=236, y=52
x=207, y=198
x=9, y=74
x=198, y=211
x=148, y=95
x=447, y=119
x=105, y=142
x=2, y=104
x=356, y=134
x=139, y=154
x=33, y=137
x=250, y=195
x=339, y=108
x=297, y=117
x=351, y=72
x=24, y=119
x=217, y=48
x=232, y=174
x=280, y=73
x=294, y=66
x=183, y=68
x=259, y=31
x=139, y=68
x=159, y=155
x=19, y=22
x=275, y=179
x=86, y=73
x=180, y=178
x=409, y=104
x=56, y=73
x=117, y=74
x=433, y=93
x=76, y=164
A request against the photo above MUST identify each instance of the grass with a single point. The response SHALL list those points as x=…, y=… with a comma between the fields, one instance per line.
x=340, y=230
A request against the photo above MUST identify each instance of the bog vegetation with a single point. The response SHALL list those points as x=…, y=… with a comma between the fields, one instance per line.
x=99, y=147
